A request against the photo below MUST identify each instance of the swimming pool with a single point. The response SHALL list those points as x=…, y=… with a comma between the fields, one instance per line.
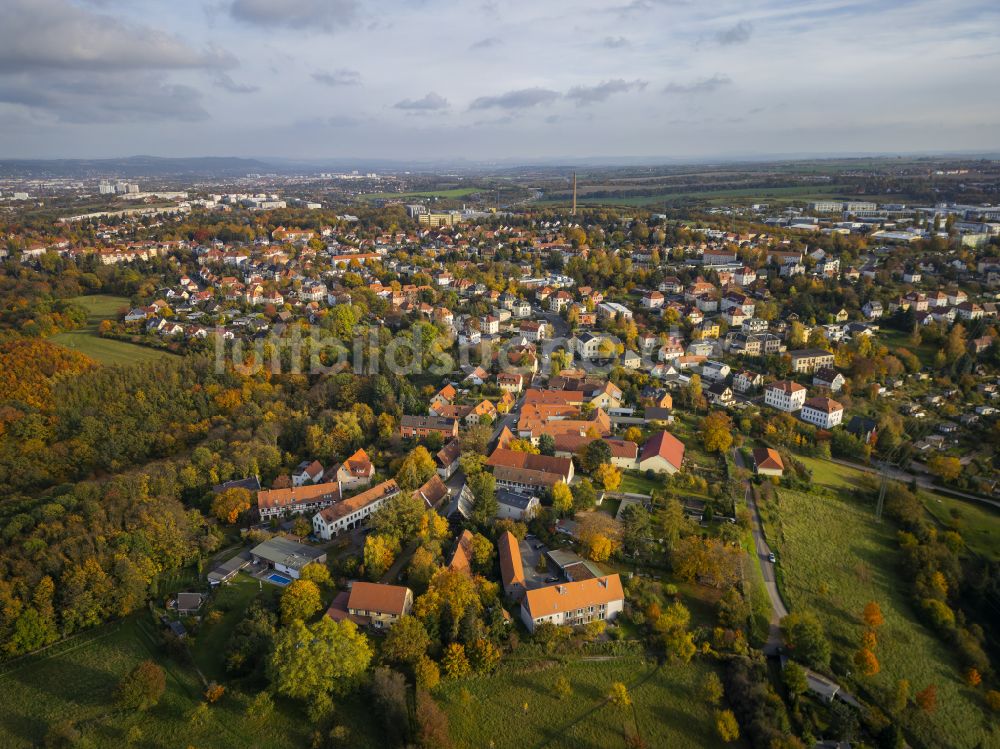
x=277, y=579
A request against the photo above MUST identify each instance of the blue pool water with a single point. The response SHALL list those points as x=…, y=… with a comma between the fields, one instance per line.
x=277, y=579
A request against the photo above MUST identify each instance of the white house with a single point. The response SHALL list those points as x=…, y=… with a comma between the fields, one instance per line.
x=573, y=603
x=351, y=512
x=785, y=395
x=822, y=412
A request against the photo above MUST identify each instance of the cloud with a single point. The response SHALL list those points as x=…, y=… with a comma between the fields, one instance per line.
x=222, y=80
x=738, y=34
x=340, y=77
x=487, y=43
x=701, y=86
x=519, y=99
x=432, y=102
x=57, y=35
x=584, y=95
x=323, y=15
x=615, y=42
x=125, y=96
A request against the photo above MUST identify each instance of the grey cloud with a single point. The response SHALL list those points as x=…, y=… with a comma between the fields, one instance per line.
x=615, y=42
x=701, y=86
x=432, y=102
x=584, y=95
x=57, y=35
x=487, y=43
x=738, y=34
x=222, y=80
x=325, y=15
x=519, y=99
x=126, y=96
x=341, y=77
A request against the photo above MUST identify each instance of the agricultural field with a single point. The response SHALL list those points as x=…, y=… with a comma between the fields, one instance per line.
x=518, y=705
x=749, y=194
x=834, y=559
x=105, y=350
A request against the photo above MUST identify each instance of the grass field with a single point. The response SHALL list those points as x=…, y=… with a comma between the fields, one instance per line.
x=105, y=350
x=456, y=192
x=76, y=680
x=833, y=541
x=667, y=709
x=635, y=483
x=978, y=523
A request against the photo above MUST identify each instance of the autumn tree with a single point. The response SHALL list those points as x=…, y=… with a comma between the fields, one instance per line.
x=711, y=688
x=142, y=687
x=455, y=663
x=562, y=498
x=672, y=627
x=945, y=467
x=726, y=726
x=618, y=695
x=717, y=432
x=379, y=554
x=865, y=660
x=426, y=673
x=432, y=723
x=872, y=615
x=300, y=600
x=926, y=698
x=228, y=505
x=608, y=477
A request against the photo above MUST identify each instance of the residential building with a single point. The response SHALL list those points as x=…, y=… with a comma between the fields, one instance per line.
x=822, y=412
x=785, y=395
x=518, y=470
x=422, y=426
x=807, y=361
x=767, y=462
x=828, y=377
x=448, y=459
x=355, y=472
x=511, y=565
x=353, y=511
x=573, y=603
x=662, y=453
x=377, y=604
x=274, y=503
x=516, y=505
x=307, y=472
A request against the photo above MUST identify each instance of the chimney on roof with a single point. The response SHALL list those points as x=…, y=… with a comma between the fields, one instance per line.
x=561, y=589
x=602, y=581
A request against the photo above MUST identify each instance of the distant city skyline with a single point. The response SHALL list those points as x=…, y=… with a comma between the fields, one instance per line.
x=515, y=82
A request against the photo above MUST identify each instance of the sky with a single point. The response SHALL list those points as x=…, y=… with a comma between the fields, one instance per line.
x=497, y=80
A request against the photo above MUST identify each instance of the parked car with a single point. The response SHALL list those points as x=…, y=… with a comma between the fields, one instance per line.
x=771, y=558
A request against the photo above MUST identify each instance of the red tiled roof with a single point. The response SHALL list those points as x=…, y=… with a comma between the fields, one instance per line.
x=666, y=446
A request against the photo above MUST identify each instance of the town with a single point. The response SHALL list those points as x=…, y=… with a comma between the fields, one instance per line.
x=425, y=469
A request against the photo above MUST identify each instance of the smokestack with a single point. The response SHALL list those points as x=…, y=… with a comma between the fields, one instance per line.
x=573, y=212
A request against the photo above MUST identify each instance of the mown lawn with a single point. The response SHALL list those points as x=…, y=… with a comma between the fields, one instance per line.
x=490, y=711
x=105, y=350
x=635, y=483
x=833, y=541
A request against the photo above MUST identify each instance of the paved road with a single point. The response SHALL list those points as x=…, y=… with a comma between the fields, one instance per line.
x=923, y=482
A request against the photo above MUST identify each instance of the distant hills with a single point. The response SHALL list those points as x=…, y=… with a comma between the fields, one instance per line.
x=133, y=166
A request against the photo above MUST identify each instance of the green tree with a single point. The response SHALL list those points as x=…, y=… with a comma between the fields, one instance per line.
x=584, y=495
x=319, y=659
x=794, y=677
x=711, y=688
x=483, y=486
x=803, y=634
x=547, y=444
x=595, y=453
x=406, y=642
